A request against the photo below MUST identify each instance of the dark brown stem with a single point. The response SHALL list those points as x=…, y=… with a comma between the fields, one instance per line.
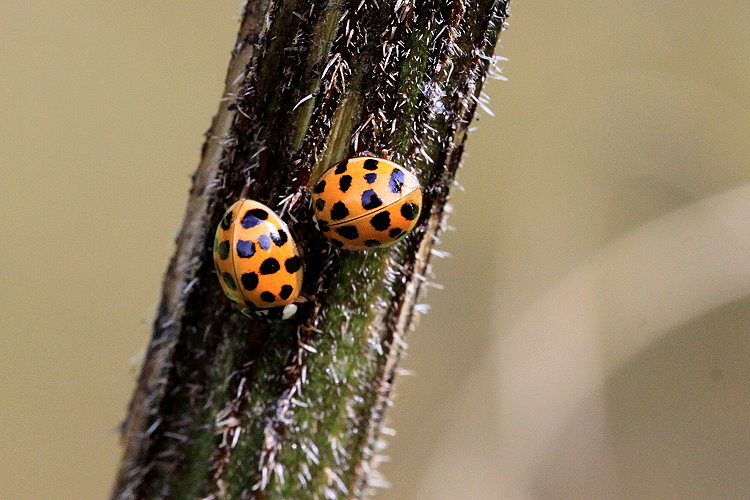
x=229, y=408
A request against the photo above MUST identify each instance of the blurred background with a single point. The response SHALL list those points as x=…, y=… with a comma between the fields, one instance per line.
x=591, y=339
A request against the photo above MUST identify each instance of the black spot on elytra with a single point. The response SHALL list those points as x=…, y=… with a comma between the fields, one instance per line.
x=267, y=297
x=370, y=199
x=223, y=250
x=249, y=281
x=245, y=249
x=396, y=181
x=229, y=280
x=345, y=182
x=323, y=226
x=319, y=187
x=381, y=221
x=286, y=291
x=341, y=167
x=226, y=221
x=370, y=164
x=264, y=241
x=279, y=237
x=254, y=217
x=320, y=204
x=348, y=232
x=292, y=264
x=337, y=243
x=269, y=266
x=395, y=232
x=372, y=243
x=371, y=177
x=409, y=211
x=339, y=211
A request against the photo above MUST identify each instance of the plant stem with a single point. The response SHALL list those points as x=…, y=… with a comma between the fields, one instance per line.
x=229, y=408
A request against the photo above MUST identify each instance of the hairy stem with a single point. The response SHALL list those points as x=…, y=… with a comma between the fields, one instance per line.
x=229, y=408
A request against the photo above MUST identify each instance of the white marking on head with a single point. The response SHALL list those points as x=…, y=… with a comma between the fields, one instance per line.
x=289, y=311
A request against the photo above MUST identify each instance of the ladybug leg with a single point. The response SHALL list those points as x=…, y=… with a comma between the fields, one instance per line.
x=384, y=154
x=302, y=298
x=289, y=201
x=272, y=314
x=244, y=191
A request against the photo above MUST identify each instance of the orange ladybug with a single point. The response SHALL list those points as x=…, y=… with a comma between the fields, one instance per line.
x=366, y=202
x=257, y=261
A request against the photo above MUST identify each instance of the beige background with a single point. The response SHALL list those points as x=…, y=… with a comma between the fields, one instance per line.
x=592, y=337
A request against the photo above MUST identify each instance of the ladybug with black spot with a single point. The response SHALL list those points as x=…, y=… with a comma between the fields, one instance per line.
x=366, y=202
x=257, y=261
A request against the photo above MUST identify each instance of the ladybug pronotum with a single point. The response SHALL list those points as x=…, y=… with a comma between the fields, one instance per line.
x=257, y=261
x=366, y=202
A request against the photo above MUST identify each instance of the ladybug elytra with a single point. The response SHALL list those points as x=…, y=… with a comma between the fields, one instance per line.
x=257, y=261
x=366, y=202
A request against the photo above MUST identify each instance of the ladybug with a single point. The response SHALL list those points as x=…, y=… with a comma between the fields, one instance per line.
x=366, y=202
x=257, y=261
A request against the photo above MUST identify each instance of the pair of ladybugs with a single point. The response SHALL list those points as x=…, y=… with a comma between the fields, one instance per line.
x=359, y=204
